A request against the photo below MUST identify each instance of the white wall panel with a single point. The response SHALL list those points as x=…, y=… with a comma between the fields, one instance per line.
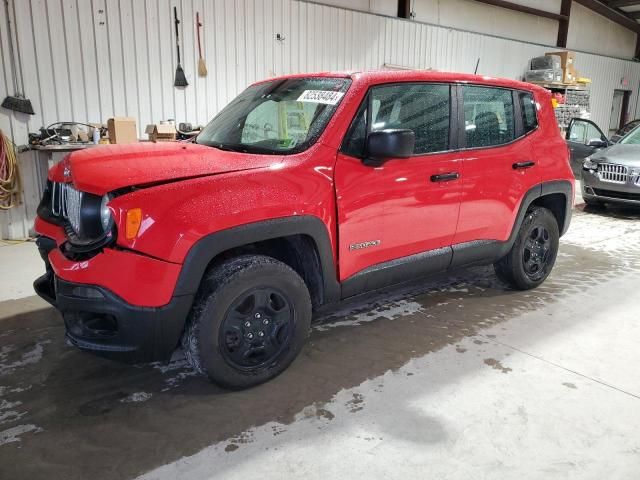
x=88, y=60
x=483, y=18
x=591, y=32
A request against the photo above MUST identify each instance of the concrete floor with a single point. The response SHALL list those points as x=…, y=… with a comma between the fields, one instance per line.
x=455, y=377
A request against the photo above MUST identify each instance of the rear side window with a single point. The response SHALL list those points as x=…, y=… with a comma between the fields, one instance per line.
x=528, y=107
x=488, y=116
x=422, y=108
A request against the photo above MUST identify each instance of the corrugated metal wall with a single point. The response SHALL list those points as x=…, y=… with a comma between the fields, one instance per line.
x=88, y=60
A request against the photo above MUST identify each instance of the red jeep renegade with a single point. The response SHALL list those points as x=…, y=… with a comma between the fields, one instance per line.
x=304, y=190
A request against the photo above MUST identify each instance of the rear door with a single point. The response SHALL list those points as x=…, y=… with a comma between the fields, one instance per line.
x=499, y=162
x=402, y=206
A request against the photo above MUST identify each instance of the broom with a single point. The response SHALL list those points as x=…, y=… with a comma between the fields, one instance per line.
x=202, y=66
x=180, y=80
x=17, y=102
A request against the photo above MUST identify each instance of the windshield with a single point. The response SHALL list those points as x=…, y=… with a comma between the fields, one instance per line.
x=632, y=138
x=281, y=116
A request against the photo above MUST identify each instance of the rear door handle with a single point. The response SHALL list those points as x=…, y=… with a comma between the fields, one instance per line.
x=445, y=177
x=527, y=164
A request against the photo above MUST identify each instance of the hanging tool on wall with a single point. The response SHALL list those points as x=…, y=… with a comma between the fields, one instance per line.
x=202, y=66
x=180, y=80
x=16, y=102
x=10, y=185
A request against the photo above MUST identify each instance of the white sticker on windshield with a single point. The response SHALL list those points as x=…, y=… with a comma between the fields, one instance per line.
x=320, y=96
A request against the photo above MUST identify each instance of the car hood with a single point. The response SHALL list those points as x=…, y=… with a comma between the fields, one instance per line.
x=619, y=153
x=103, y=169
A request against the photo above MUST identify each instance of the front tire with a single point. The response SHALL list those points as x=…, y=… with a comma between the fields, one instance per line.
x=533, y=253
x=593, y=203
x=250, y=319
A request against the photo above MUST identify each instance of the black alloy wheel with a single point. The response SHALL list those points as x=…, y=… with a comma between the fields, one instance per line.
x=533, y=253
x=249, y=321
x=536, y=253
x=256, y=328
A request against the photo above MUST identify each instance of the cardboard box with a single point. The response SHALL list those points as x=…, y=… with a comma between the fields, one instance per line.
x=566, y=58
x=163, y=132
x=570, y=75
x=568, y=64
x=122, y=130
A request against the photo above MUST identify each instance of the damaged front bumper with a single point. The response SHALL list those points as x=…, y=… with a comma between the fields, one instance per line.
x=102, y=322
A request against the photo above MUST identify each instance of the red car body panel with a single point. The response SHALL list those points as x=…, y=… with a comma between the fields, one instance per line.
x=137, y=279
x=493, y=189
x=198, y=190
x=176, y=215
x=396, y=205
x=107, y=168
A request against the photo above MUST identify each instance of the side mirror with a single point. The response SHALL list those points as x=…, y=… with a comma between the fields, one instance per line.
x=597, y=143
x=385, y=144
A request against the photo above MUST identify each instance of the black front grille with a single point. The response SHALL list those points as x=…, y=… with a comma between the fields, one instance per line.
x=615, y=194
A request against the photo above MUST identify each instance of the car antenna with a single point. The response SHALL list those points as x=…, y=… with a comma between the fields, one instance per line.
x=477, y=63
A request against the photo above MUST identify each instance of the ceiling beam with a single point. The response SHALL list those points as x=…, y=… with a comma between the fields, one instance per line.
x=622, y=3
x=523, y=9
x=612, y=14
x=563, y=25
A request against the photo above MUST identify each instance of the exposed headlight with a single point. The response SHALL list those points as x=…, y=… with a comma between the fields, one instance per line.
x=105, y=213
x=88, y=215
x=590, y=164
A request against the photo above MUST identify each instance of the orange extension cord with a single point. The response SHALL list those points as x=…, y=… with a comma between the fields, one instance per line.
x=10, y=184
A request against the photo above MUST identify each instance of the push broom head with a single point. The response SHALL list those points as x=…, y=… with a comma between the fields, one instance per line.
x=180, y=80
x=202, y=67
x=20, y=104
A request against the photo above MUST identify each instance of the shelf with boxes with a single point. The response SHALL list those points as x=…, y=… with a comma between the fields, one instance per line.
x=556, y=71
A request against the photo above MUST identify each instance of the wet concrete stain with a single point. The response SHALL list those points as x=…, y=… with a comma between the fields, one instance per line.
x=495, y=364
x=74, y=399
x=356, y=403
x=324, y=413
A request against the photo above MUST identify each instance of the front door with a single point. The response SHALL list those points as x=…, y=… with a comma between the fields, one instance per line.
x=580, y=133
x=403, y=206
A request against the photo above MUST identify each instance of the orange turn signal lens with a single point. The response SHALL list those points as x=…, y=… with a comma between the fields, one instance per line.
x=134, y=219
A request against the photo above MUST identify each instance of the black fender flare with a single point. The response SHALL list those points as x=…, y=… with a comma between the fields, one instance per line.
x=208, y=247
x=541, y=190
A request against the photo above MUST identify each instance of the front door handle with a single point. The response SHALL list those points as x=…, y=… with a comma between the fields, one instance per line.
x=445, y=177
x=527, y=164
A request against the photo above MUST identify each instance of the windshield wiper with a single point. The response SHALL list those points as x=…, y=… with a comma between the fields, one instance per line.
x=240, y=148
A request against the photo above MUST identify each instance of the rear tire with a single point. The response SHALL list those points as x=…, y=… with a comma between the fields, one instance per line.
x=533, y=253
x=250, y=319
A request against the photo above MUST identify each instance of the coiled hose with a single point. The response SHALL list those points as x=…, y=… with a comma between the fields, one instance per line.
x=10, y=184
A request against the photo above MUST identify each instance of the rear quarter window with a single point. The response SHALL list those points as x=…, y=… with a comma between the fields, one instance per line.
x=528, y=109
